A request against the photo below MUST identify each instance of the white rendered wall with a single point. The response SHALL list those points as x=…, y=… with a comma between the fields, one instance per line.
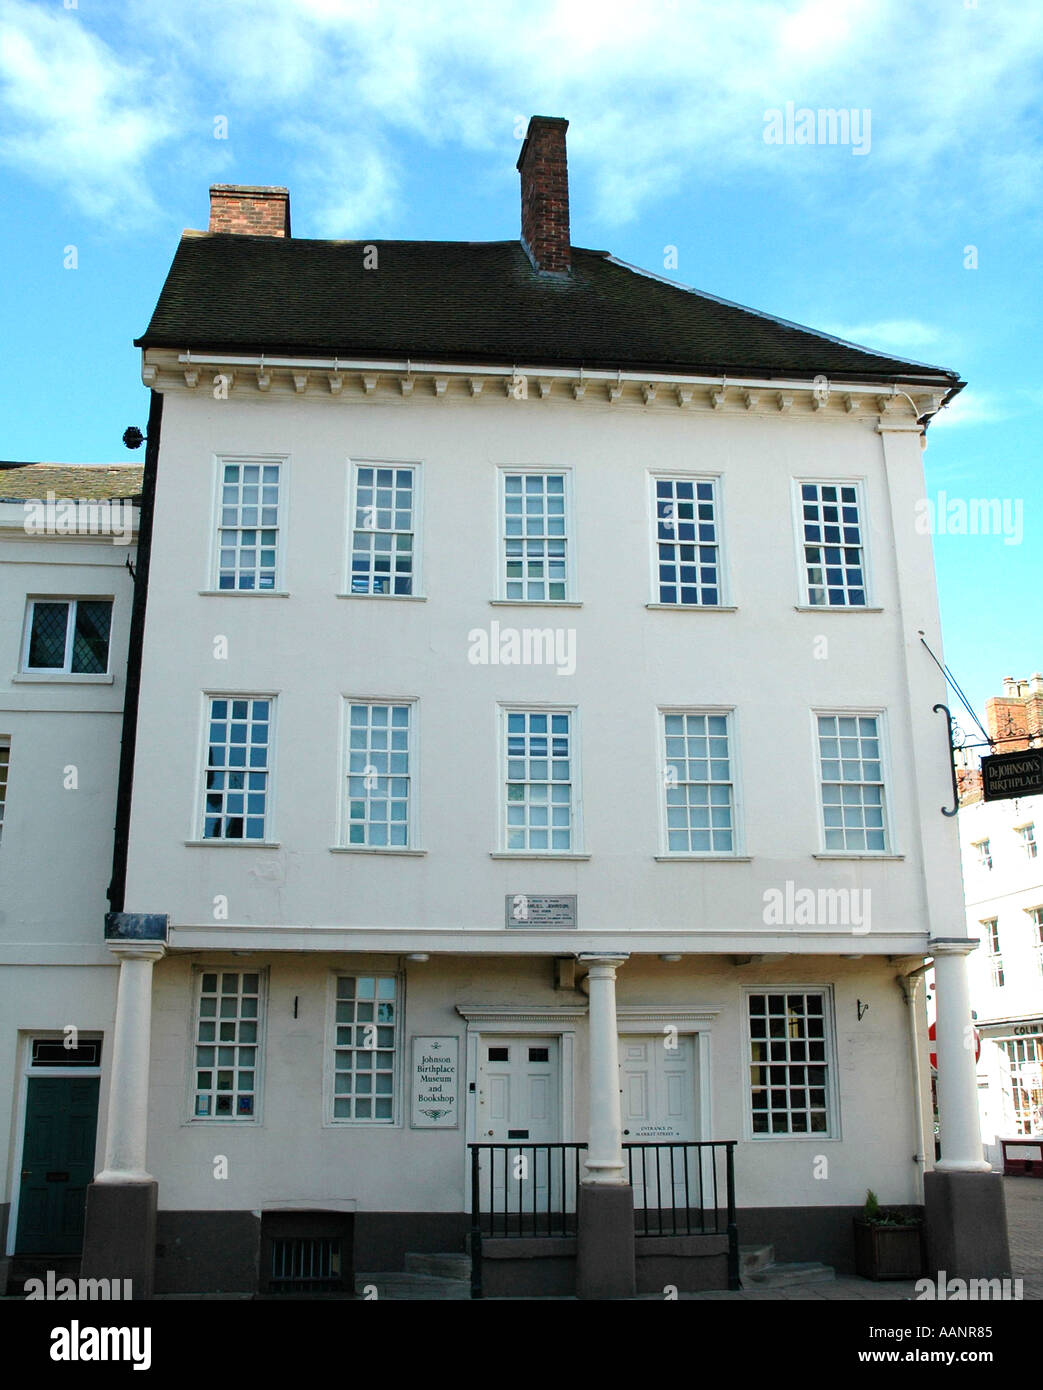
x=313, y=648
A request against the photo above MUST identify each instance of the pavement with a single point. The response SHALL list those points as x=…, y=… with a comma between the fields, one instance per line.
x=1024, y=1199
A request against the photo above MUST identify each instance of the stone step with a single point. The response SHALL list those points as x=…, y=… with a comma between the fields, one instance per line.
x=409, y=1287
x=778, y=1276
x=440, y=1266
x=755, y=1257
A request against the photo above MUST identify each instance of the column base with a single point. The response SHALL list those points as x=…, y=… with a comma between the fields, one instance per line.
x=966, y=1219
x=605, y=1257
x=119, y=1234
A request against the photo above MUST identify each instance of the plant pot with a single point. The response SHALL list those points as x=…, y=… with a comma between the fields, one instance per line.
x=888, y=1252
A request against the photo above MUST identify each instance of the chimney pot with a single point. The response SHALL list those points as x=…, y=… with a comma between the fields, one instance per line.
x=249, y=210
x=543, y=165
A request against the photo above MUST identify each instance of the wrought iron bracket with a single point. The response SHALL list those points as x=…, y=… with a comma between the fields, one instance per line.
x=952, y=762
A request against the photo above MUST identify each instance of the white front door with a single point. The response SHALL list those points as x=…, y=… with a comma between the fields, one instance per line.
x=659, y=1089
x=519, y=1104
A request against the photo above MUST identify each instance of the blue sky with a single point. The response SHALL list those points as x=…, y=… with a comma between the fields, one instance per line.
x=402, y=120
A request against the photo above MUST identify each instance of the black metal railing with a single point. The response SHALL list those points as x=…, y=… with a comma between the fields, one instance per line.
x=527, y=1190
x=521, y=1190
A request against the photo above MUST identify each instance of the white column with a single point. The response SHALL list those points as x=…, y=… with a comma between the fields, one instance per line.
x=127, y=1130
x=957, y=1086
x=604, y=1162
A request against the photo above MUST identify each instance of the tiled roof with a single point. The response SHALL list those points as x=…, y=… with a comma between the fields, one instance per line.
x=90, y=481
x=480, y=302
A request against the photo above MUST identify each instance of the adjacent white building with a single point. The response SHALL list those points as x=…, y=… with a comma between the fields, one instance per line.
x=1003, y=877
x=66, y=535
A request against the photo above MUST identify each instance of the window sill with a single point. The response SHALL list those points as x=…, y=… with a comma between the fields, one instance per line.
x=535, y=854
x=244, y=593
x=377, y=849
x=694, y=607
x=835, y=608
x=705, y=858
x=535, y=603
x=853, y=854
x=59, y=678
x=390, y=598
x=233, y=844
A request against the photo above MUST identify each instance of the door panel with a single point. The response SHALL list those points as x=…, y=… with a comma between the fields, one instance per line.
x=659, y=1090
x=519, y=1091
x=61, y=1124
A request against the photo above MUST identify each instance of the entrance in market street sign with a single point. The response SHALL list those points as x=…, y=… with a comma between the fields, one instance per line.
x=1007, y=775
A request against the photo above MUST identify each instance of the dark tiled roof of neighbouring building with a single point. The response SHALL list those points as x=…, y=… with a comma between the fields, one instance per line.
x=480, y=302
x=93, y=482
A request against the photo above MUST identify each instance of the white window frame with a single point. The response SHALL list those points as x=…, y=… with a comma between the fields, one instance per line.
x=833, y=1130
x=203, y=762
x=220, y=968
x=984, y=851
x=576, y=848
x=65, y=671
x=214, y=572
x=738, y=849
x=417, y=470
x=861, y=501
x=677, y=476
x=1027, y=834
x=400, y=1101
x=413, y=752
x=539, y=470
x=890, y=849
x=1035, y=916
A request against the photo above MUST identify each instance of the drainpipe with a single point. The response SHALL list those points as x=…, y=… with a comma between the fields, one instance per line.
x=121, y=834
x=909, y=984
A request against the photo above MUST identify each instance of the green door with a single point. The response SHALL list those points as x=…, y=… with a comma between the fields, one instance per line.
x=61, y=1121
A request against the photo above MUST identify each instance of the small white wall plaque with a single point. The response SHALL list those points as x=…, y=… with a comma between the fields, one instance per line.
x=433, y=1083
x=540, y=910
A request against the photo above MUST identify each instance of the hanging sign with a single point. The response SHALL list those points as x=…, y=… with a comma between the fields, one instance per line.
x=1006, y=775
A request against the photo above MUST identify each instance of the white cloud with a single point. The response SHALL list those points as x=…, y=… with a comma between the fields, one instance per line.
x=345, y=176
x=78, y=116
x=671, y=97
x=900, y=336
x=969, y=408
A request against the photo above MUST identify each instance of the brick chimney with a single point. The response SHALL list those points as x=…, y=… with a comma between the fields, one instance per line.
x=249, y=211
x=1017, y=714
x=544, y=170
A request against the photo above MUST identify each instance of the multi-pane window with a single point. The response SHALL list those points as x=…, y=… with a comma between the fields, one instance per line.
x=1035, y=916
x=379, y=774
x=383, y=530
x=983, y=849
x=1028, y=840
x=364, y=1048
x=248, y=535
x=992, y=945
x=238, y=768
x=535, y=537
x=789, y=1063
x=1025, y=1056
x=539, y=780
x=227, y=1051
x=852, y=783
x=5, y=759
x=687, y=541
x=697, y=777
x=834, y=549
x=68, y=636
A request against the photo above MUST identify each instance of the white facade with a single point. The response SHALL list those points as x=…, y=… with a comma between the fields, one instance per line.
x=61, y=731
x=1003, y=876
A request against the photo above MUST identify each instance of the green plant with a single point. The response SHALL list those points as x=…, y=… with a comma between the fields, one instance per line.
x=877, y=1215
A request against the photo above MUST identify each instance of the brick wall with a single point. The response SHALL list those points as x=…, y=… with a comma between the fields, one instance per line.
x=249, y=211
x=543, y=166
